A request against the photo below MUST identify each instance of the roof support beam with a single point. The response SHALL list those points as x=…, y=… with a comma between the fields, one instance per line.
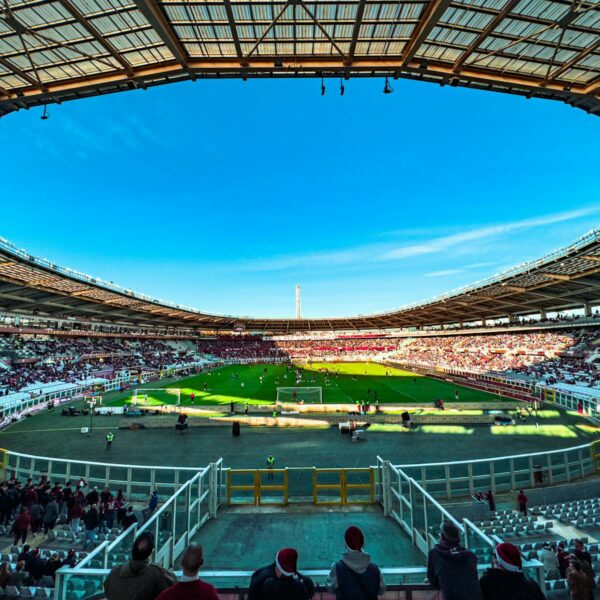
x=156, y=18
x=508, y=7
x=572, y=62
x=360, y=11
x=30, y=80
x=433, y=13
x=233, y=28
x=82, y=20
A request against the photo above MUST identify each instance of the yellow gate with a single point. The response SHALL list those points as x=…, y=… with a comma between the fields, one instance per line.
x=250, y=485
x=595, y=450
x=348, y=485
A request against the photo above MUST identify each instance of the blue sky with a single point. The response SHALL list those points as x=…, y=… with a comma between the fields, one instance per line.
x=223, y=195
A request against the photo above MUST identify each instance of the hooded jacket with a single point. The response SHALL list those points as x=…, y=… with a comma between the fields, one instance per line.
x=498, y=584
x=453, y=569
x=265, y=585
x=137, y=580
x=355, y=577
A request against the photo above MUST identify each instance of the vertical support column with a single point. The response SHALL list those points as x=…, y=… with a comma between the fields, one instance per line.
x=587, y=309
x=411, y=492
x=188, y=516
x=426, y=523
x=550, y=474
x=448, y=482
x=470, y=473
x=531, y=477
x=385, y=487
x=199, y=507
x=153, y=480
x=543, y=314
x=581, y=465
x=156, y=540
x=173, y=535
x=567, y=468
x=400, y=503
x=513, y=482
x=467, y=535
x=128, y=482
x=492, y=476
x=212, y=495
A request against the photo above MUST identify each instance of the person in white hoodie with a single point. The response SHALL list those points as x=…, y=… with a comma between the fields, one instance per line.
x=548, y=558
x=355, y=577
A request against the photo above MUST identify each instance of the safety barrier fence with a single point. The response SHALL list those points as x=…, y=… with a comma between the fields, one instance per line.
x=421, y=515
x=174, y=524
x=136, y=481
x=501, y=474
x=403, y=583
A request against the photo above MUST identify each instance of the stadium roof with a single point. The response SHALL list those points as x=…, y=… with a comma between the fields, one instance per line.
x=566, y=279
x=57, y=50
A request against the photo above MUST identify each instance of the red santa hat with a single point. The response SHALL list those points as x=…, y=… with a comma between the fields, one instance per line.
x=354, y=539
x=287, y=561
x=509, y=557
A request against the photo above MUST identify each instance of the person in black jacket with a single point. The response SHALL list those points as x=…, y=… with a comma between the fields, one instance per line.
x=453, y=568
x=90, y=521
x=355, y=577
x=281, y=580
x=507, y=581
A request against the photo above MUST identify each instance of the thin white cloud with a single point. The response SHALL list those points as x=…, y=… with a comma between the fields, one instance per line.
x=444, y=243
x=458, y=271
x=444, y=273
x=377, y=253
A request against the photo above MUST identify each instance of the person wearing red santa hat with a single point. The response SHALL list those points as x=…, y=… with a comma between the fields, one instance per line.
x=507, y=581
x=281, y=580
x=355, y=576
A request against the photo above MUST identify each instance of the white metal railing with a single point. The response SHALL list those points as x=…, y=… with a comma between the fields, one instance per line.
x=136, y=481
x=398, y=579
x=421, y=516
x=502, y=474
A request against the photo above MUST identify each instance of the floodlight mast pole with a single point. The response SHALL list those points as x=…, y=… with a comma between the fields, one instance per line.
x=298, y=302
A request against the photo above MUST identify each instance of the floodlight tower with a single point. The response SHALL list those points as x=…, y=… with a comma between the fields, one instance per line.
x=298, y=300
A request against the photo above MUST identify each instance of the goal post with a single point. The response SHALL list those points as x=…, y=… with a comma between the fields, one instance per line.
x=156, y=397
x=299, y=395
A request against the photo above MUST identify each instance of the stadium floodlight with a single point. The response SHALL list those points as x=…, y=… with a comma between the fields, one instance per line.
x=299, y=395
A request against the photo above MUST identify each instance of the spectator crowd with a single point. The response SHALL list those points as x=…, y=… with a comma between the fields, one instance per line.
x=451, y=568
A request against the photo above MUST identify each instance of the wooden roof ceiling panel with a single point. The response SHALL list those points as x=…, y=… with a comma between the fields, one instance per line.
x=99, y=46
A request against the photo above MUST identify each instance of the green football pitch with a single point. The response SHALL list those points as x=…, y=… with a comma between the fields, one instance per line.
x=344, y=383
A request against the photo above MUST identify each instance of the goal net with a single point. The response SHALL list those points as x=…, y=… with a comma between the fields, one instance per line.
x=299, y=395
x=156, y=397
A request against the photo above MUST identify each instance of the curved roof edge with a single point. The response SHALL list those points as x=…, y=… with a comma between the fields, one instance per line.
x=563, y=278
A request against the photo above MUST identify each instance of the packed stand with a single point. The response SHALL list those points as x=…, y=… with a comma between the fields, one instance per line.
x=63, y=521
x=34, y=360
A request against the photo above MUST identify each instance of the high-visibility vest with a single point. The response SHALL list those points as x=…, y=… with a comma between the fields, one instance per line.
x=270, y=461
x=110, y=437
